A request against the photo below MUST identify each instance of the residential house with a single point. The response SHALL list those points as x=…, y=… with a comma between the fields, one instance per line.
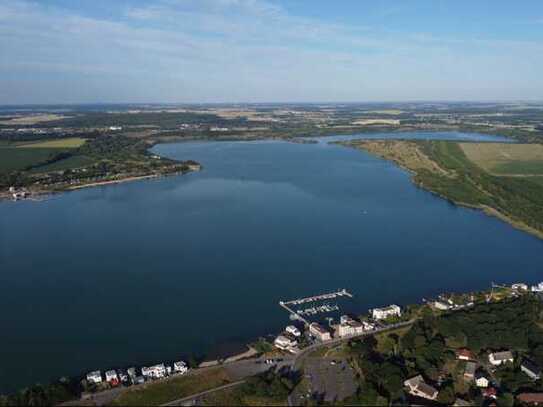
x=481, y=379
x=291, y=329
x=531, y=369
x=519, y=286
x=180, y=367
x=537, y=288
x=464, y=354
x=94, y=377
x=497, y=358
x=319, y=332
x=418, y=387
x=469, y=371
x=123, y=376
x=112, y=378
x=534, y=399
x=383, y=313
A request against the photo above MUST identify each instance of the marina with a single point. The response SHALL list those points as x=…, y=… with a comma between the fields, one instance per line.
x=311, y=311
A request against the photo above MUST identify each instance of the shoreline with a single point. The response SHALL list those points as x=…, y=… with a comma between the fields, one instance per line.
x=251, y=353
x=40, y=195
x=487, y=210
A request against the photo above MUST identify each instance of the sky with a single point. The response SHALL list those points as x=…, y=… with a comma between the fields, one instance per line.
x=234, y=51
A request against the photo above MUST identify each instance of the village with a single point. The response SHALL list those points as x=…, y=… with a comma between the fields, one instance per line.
x=302, y=337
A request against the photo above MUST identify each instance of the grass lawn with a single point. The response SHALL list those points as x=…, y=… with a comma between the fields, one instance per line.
x=153, y=394
x=73, y=142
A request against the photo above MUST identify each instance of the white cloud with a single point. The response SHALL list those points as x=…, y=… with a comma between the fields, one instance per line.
x=242, y=50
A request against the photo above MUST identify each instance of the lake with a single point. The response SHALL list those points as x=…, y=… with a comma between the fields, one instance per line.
x=157, y=270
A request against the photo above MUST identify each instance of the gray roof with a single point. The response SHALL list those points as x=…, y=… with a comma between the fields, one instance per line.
x=502, y=355
x=426, y=389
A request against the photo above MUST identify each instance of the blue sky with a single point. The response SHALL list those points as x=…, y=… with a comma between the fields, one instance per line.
x=86, y=51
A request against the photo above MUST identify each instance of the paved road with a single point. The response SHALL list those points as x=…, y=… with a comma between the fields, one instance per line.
x=191, y=399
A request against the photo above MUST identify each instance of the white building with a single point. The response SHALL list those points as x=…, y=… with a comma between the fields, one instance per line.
x=94, y=377
x=368, y=326
x=498, y=358
x=319, y=332
x=348, y=327
x=481, y=380
x=291, y=329
x=519, y=286
x=537, y=288
x=154, y=372
x=180, y=367
x=115, y=128
x=284, y=343
x=111, y=377
x=383, y=313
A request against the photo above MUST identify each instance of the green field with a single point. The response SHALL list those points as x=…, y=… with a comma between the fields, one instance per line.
x=17, y=159
x=73, y=142
x=76, y=161
x=519, y=168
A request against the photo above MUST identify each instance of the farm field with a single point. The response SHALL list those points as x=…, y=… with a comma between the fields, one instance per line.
x=506, y=158
x=19, y=156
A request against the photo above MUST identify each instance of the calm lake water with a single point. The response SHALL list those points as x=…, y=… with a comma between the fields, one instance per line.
x=155, y=270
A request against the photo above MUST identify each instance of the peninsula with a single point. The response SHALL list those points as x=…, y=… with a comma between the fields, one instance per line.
x=41, y=167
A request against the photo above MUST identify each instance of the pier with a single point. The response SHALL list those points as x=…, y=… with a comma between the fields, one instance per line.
x=293, y=313
x=328, y=296
x=326, y=308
